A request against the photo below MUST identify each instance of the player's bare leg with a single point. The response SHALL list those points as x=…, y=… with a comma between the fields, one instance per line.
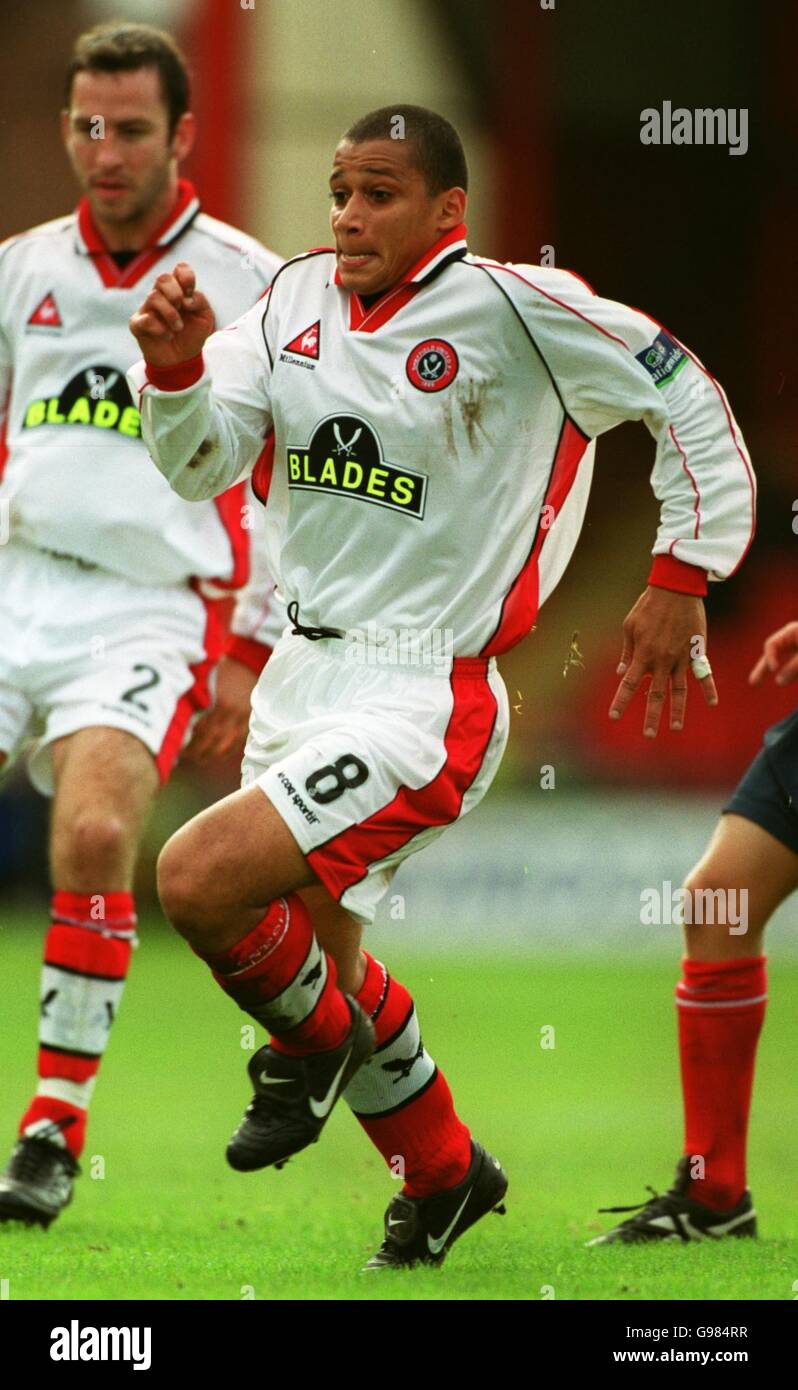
x=745, y=874
x=105, y=782
x=721, y=1000
x=741, y=856
x=229, y=882
x=218, y=874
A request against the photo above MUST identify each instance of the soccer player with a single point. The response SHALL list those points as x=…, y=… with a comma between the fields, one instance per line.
x=751, y=866
x=434, y=416
x=112, y=615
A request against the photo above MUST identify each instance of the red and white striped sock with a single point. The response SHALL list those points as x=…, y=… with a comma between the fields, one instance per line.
x=401, y=1098
x=279, y=975
x=86, y=959
x=721, y=1008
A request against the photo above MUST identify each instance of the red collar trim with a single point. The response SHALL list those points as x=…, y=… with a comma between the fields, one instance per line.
x=451, y=241
x=91, y=242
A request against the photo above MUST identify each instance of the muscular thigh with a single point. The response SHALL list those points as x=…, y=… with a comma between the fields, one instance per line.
x=234, y=857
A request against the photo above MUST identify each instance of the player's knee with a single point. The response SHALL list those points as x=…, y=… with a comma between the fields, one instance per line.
x=94, y=845
x=188, y=884
x=179, y=889
x=713, y=902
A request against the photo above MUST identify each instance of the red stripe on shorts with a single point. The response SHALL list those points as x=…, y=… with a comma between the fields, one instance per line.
x=198, y=696
x=344, y=860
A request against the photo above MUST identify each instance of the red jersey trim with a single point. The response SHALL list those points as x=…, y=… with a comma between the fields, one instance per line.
x=668, y=572
x=426, y=263
x=4, y=449
x=230, y=506
x=183, y=213
x=249, y=652
x=345, y=859
x=263, y=470
x=495, y=265
x=364, y=320
x=177, y=377
x=693, y=484
x=521, y=602
x=198, y=697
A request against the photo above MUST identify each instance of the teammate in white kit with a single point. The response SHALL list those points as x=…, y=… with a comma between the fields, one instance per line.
x=433, y=415
x=113, y=587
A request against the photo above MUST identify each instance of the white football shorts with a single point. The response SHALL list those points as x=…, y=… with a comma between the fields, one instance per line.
x=368, y=763
x=81, y=647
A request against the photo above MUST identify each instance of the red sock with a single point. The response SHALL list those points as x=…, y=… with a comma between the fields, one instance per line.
x=401, y=1099
x=279, y=974
x=86, y=959
x=721, y=1007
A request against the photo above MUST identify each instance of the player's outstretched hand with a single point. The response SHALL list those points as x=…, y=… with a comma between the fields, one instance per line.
x=174, y=320
x=659, y=639
x=779, y=657
x=224, y=729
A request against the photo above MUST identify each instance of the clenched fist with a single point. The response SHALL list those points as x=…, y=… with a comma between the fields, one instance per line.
x=174, y=320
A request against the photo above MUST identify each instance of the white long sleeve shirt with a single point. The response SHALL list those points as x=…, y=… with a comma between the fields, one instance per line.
x=74, y=473
x=433, y=452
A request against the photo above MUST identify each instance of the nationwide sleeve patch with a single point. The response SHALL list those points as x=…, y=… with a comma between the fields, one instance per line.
x=663, y=359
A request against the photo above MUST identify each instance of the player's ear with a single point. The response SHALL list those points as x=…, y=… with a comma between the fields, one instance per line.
x=184, y=136
x=453, y=208
x=65, y=128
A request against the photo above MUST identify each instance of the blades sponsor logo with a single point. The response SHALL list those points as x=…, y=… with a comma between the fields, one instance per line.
x=97, y=396
x=432, y=365
x=345, y=457
x=663, y=359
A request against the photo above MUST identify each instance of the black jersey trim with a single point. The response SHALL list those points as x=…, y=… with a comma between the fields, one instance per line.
x=534, y=344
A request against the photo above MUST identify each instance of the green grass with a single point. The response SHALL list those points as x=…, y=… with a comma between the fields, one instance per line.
x=585, y=1124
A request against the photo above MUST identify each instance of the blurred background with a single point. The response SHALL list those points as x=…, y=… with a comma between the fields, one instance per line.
x=548, y=99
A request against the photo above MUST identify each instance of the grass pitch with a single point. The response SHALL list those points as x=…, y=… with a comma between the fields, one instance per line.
x=583, y=1124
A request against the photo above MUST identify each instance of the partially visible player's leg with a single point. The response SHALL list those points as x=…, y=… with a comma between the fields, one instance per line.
x=105, y=782
x=400, y=1098
x=336, y=757
x=749, y=868
x=721, y=999
x=228, y=882
x=115, y=690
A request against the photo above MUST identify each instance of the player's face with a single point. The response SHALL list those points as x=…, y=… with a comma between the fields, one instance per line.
x=383, y=217
x=116, y=136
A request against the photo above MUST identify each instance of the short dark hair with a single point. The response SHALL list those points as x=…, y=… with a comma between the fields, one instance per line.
x=439, y=152
x=126, y=48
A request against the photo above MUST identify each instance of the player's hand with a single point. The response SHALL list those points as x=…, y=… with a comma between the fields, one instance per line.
x=780, y=650
x=174, y=321
x=225, y=728
x=658, y=640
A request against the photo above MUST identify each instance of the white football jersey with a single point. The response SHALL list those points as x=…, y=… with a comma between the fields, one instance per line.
x=76, y=478
x=433, y=451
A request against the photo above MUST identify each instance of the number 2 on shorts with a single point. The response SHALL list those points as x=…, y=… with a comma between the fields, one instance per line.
x=130, y=695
